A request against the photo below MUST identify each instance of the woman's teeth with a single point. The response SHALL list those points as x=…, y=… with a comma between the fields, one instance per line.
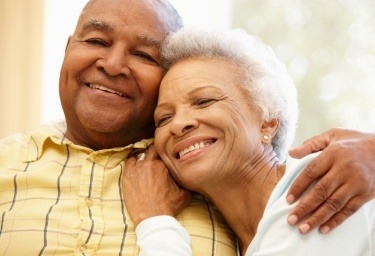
x=196, y=146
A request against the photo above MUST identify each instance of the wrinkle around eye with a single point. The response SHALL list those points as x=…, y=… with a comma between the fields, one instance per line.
x=205, y=102
x=147, y=57
x=97, y=42
x=162, y=121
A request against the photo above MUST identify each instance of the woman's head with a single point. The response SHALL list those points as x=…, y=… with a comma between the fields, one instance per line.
x=263, y=78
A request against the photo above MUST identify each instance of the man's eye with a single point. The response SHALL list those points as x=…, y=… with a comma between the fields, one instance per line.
x=96, y=41
x=146, y=56
x=163, y=120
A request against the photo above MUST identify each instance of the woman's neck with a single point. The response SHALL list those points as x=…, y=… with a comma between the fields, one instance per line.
x=245, y=198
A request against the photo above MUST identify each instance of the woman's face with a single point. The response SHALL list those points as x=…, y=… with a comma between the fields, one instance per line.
x=205, y=127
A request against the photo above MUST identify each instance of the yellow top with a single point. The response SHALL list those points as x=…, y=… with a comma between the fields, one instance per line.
x=58, y=198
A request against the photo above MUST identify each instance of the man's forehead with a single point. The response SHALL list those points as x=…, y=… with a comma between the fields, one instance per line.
x=94, y=24
x=97, y=24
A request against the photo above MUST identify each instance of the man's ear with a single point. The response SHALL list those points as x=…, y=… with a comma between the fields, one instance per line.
x=269, y=129
x=67, y=43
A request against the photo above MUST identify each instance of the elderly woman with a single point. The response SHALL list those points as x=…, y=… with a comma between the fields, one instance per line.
x=226, y=115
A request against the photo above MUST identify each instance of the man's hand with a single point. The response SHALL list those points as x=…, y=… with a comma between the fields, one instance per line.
x=149, y=190
x=344, y=173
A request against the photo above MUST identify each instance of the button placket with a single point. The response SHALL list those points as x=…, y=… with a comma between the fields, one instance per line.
x=89, y=202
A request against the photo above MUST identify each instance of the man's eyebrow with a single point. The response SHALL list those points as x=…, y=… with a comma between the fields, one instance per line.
x=151, y=41
x=94, y=24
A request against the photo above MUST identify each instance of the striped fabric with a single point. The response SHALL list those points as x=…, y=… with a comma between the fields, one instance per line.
x=57, y=198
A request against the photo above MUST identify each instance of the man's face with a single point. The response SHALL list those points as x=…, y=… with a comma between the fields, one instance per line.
x=110, y=75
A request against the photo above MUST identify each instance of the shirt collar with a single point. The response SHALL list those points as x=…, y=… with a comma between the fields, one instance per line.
x=56, y=133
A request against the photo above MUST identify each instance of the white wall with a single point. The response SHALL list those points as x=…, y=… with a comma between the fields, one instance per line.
x=61, y=17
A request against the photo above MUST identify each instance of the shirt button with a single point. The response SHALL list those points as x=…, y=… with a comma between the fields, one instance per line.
x=89, y=202
x=82, y=249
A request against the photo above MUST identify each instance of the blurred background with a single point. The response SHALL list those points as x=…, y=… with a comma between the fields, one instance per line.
x=328, y=47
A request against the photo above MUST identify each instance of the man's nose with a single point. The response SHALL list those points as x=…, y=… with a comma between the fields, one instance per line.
x=115, y=62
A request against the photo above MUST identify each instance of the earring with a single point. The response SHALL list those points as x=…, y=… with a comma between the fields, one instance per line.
x=266, y=137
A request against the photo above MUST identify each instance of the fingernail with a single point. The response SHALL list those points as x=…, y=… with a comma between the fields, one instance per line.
x=324, y=229
x=290, y=199
x=292, y=219
x=304, y=228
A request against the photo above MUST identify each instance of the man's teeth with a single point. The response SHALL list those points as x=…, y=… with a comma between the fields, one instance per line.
x=105, y=89
x=196, y=146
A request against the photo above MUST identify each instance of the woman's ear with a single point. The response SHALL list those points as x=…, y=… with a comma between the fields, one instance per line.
x=269, y=129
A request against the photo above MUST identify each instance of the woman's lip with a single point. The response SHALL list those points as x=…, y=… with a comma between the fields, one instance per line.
x=192, y=144
x=196, y=147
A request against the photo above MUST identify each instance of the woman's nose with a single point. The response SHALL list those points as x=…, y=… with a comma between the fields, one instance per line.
x=183, y=123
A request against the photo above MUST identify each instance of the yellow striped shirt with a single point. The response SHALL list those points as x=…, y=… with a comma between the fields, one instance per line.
x=58, y=198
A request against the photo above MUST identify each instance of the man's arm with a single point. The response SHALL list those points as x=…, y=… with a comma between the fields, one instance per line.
x=344, y=174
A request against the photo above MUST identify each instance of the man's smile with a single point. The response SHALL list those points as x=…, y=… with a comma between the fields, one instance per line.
x=105, y=89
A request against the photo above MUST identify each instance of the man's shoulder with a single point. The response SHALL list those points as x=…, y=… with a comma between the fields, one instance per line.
x=17, y=140
x=14, y=146
x=20, y=145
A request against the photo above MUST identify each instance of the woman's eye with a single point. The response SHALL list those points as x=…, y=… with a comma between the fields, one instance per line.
x=205, y=102
x=163, y=121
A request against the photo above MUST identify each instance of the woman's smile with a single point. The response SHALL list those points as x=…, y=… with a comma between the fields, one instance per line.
x=194, y=149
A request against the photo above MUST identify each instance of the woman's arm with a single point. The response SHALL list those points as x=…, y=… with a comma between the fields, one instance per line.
x=162, y=236
x=344, y=174
x=153, y=199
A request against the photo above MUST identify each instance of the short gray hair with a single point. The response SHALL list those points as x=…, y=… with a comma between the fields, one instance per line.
x=264, y=77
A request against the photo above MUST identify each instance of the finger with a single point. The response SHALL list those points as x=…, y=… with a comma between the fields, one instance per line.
x=334, y=204
x=314, y=144
x=301, y=151
x=314, y=198
x=348, y=210
x=131, y=160
x=152, y=152
x=318, y=167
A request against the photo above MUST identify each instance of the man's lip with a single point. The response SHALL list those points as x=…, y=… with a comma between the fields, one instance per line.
x=191, y=142
x=103, y=88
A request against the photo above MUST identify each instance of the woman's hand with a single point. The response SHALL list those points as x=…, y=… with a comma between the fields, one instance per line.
x=149, y=190
x=344, y=173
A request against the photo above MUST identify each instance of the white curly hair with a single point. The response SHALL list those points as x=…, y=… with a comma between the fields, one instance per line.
x=264, y=77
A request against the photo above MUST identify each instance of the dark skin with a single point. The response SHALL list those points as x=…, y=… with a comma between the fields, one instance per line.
x=109, y=83
x=111, y=72
x=338, y=193
x=170, y=199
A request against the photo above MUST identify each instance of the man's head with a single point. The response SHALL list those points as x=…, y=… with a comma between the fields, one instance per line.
x=111, y=71
x=174, y=20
